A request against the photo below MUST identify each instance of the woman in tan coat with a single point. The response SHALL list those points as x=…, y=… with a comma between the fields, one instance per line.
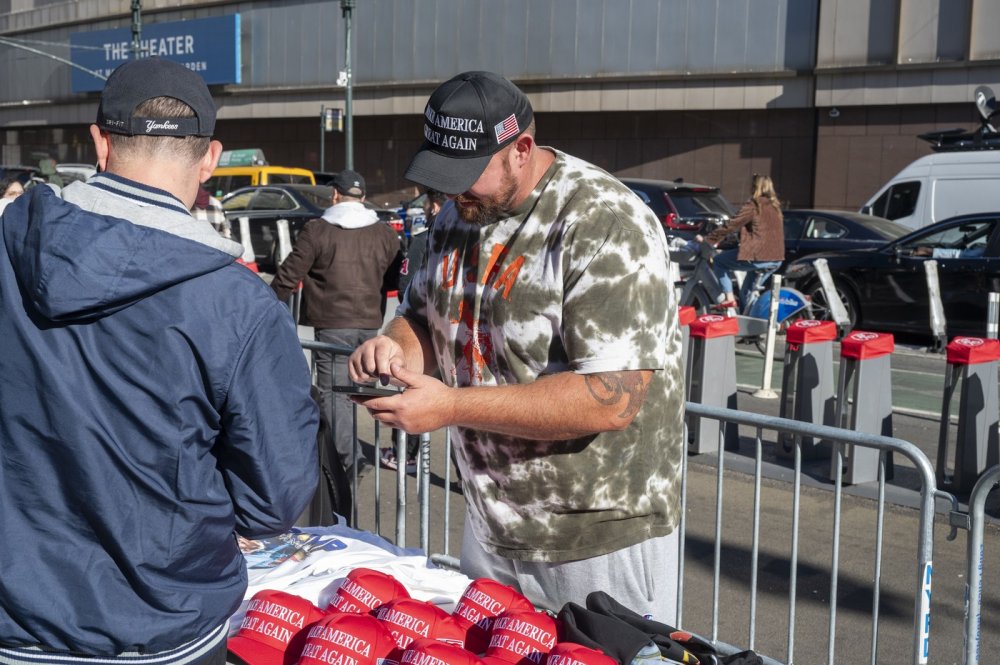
x=762, y=240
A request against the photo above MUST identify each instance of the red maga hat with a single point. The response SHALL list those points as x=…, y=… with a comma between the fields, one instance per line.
x=365, y=589
x=355, y=639
x=426, y=651
x=409, y=619
x=272, y=630
x=521, y=638
x=484, y=600
x=571, y=653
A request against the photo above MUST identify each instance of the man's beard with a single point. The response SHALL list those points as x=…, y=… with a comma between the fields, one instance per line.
x=488, y=210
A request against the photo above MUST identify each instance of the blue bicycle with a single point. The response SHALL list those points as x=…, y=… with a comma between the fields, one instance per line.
x=700, y=289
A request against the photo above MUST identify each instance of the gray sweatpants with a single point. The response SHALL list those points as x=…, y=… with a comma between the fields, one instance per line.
x=642, y=577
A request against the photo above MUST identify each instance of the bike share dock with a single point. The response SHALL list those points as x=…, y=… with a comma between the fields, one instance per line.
x=712, y=378
x=972, y=366
x=807, y=386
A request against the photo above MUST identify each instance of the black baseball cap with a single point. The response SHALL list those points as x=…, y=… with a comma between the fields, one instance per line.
x=467, y=120
x=137, y=81
x=349, y=183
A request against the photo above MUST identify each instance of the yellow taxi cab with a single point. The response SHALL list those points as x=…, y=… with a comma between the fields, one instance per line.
x=244, y=168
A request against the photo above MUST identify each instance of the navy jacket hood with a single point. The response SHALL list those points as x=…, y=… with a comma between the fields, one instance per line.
x=76, y=265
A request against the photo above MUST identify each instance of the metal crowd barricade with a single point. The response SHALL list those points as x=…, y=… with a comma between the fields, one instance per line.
x=789, y=429
x=925, y=542
x=975, y=552
x=402, y=493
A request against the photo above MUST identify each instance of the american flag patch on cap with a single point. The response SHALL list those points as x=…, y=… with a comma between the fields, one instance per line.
x=506, y=129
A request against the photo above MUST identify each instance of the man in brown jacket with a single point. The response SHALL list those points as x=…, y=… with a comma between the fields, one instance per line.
x=345, y=261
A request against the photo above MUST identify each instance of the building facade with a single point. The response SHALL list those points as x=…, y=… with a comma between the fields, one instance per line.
x=827, y=96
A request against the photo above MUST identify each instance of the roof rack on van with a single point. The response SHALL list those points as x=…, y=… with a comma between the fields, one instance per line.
x=985, y=138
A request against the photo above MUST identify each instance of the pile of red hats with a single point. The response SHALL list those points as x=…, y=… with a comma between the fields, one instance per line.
x=371, y=620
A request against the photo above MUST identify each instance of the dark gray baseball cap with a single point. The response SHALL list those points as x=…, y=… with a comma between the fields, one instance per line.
x=137, y=81
x=467, y=120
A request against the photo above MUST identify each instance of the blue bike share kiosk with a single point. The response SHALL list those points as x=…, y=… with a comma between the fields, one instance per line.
x=712, y=380
x=972, y=364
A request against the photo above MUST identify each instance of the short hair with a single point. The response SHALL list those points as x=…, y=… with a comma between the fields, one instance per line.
x=434, y=196
x=5, y=183
x=187, y=148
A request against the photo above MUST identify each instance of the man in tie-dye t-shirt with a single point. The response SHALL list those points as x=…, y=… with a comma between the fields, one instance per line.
x=545, y=307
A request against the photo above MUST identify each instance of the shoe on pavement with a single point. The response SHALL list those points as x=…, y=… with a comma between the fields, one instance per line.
x=387, y=458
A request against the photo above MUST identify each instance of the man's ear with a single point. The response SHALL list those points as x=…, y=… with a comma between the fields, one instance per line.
x=102, y=145
x=211, y=159
x=521, y=148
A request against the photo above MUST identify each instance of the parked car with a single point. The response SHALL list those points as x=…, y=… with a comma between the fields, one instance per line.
x=412, y=212
x=265, y=205
x=227, y=179
x=23, y=173
x=885, y=289
x=685, y=209
x=812, y=231
x=72, y=172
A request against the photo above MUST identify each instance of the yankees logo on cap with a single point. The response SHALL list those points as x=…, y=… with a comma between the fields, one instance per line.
x=138, y=81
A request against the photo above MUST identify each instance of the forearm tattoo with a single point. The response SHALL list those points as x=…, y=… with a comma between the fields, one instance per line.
x=609, y=387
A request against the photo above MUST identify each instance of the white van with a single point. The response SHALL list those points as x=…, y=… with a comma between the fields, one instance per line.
x=940, y=186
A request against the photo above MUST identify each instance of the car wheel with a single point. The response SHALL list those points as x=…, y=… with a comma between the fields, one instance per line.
x=821, y=306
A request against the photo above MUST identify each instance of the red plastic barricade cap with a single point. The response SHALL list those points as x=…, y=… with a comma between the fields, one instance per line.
x=973, y=350
x=861, y=345
x=714, y=325
x=687, y=314
x=807, y=331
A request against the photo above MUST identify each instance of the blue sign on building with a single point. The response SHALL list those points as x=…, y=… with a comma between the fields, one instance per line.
x=209, y=46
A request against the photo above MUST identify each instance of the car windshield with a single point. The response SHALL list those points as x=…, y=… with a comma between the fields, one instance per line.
x=690, y=204
x=238, y=200
x=884, y=227
x=965, y=238
x=319, y=195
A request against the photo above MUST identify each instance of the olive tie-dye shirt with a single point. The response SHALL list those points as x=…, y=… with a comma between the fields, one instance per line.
x=574, y=280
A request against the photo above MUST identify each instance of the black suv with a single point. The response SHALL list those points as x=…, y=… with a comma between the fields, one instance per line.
x=684, y=208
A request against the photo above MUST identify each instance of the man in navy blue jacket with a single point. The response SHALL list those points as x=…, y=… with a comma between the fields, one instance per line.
x=154, y=400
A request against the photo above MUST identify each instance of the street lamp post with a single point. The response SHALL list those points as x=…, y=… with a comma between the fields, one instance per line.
x=347, y=7
x=136, y=27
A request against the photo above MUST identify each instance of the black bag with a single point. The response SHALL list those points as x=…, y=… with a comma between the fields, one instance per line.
x=621, y=633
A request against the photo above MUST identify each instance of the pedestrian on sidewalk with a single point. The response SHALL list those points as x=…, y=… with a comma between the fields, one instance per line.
x=546, y=305
x=154, y=402
x=344, y=261
x=415, y=254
